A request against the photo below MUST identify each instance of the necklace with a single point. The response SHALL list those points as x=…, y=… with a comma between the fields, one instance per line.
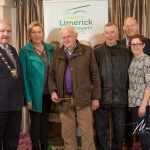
x=39, y=50
x=14, y=72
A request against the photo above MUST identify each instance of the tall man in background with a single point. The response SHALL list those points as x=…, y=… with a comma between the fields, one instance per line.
x=130, y=28
x=11, y=90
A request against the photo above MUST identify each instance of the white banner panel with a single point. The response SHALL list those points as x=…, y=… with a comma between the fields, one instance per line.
x=88, y=17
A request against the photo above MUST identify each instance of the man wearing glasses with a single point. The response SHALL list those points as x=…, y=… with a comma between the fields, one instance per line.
x=130, y=28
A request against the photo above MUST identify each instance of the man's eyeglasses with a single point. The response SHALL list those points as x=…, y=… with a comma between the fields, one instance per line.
x=136, y=45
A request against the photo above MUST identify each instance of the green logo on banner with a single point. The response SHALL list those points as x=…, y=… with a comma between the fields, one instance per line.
x=77, y=17
x=59, y=144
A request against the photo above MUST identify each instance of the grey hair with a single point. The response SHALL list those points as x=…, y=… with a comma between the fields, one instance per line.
x=68, y=28
x=111, y=24
x=6, y=22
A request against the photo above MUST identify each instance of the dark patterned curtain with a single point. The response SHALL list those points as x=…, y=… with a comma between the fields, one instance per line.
x=148, y=19
x=119, y=10
x=27, y=11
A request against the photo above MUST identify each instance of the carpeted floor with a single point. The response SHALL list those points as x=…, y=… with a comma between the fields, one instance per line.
x=25, y=143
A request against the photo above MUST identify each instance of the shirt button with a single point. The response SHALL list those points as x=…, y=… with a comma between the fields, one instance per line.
x=71, y=68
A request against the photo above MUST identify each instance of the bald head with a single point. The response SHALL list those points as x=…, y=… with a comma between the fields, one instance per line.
x=130, y=19
x=130, y=27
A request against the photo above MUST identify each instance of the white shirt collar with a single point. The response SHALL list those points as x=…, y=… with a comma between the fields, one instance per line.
x=127, y=42
x=4, y=47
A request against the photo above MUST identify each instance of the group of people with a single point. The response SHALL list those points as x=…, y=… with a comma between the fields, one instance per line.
x=125, y=87
x=115, y=77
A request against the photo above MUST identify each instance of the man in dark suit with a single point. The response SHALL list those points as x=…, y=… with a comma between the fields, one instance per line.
x=12, y=93
x=130, y=28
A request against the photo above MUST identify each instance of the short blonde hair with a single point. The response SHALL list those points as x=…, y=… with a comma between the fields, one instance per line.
x=31, y=25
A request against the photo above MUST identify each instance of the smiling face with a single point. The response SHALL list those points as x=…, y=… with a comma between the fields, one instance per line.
x=137, y=47
x=36, y=35
x=69, y=39
x=5, y=33
x=111, y=34
x=130, y=27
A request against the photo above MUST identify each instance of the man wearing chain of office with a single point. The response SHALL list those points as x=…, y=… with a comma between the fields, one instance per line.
x=11, y=90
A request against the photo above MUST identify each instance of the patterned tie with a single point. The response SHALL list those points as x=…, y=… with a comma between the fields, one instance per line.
x=128, y=46
x=10, y=56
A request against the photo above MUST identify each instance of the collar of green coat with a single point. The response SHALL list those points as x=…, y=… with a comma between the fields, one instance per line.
x=49, y=49
x=47, y=46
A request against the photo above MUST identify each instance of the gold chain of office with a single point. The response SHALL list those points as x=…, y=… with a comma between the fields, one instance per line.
x=14, y=72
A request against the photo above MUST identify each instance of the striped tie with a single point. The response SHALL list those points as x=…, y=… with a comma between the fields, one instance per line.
x=10, y=56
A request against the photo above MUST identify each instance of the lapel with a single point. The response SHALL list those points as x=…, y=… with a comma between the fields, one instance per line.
x=7, y=57
x=48, y=50
x=78, y=51
x=15, y=55
x=123, y=42
x=33, y=55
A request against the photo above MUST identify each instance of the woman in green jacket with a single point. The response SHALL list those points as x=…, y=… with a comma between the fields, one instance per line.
x=36, y=57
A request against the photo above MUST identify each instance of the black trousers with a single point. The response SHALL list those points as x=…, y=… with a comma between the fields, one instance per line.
x=10, y=123
x=142, y=127
x=118, y=120
x=39, y=127
x=129, y=128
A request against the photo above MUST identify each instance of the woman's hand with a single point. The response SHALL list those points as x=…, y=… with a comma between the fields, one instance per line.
x=142, y=108
x=29, y=105
x=142, y=111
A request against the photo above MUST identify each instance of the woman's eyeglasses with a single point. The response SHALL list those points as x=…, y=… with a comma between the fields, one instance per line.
x=136, y=45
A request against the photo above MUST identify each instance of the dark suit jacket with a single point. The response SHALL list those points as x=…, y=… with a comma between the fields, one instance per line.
x=146, y=48
x=12, y=92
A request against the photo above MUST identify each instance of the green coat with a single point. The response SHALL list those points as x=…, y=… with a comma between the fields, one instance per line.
x=33, y=71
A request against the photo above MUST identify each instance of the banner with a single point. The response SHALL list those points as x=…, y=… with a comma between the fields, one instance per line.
x=88, y=17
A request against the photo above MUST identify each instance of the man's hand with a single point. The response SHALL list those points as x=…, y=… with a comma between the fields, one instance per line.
x=54, y=97
x=95, y=104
